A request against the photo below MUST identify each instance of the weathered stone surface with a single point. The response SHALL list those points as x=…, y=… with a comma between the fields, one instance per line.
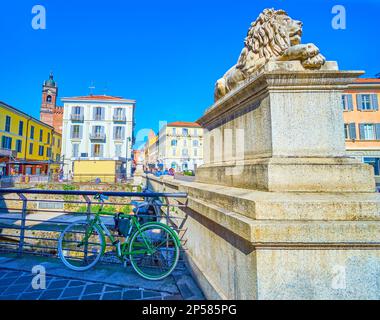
x=304, y=222
x=292, y=175
x=282, y=131
x=246, y=244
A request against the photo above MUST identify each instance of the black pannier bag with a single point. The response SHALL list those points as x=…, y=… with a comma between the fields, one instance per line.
x=122, y=225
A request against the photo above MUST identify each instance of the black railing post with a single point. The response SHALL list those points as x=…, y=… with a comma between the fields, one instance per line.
x=23, y=223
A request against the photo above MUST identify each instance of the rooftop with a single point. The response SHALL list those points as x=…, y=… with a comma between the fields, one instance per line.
x=98, y=98
x=367, y=80
x=184, y=124
x=9, y=107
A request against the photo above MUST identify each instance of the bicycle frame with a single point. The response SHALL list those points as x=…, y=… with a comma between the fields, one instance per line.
x=99, y=225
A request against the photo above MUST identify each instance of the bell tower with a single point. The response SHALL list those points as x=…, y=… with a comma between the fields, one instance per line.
x=49, y=100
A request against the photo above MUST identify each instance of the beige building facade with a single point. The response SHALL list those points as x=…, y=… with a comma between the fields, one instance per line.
x=180, y=146
x=362, y=122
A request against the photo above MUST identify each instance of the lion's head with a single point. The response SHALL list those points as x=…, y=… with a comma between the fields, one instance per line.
x=273, y=33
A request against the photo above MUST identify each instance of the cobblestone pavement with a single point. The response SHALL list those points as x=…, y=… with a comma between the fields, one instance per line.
x=16, y=285
x=103, y=282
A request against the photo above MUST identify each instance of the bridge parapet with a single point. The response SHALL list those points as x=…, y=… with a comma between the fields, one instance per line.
x=258, y=245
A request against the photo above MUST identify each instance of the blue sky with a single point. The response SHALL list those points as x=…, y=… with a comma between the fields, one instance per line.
x=165, y=54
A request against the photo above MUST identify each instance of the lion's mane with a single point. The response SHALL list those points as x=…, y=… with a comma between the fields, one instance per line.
x=266, y=37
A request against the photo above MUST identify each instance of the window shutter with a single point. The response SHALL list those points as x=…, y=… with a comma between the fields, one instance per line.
x=377, y=128
x=94, y=113
x=123, y=133
x=71, y=132
x=350, y=104
x=352, y=131
x=114, y=133
x=80, y=132
x=375, y=102
x=101, y=150
x=361, y=129
x=103, y=113
x=359, y=101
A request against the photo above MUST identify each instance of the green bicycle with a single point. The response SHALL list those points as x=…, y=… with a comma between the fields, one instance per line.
x=152, y=248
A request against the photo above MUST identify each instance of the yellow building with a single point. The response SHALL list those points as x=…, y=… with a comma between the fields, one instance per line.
x=151, y=150
x=180, y=146
x=86, y=171
x=28, y=146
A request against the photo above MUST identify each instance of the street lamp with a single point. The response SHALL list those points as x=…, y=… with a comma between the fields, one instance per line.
x=127, y=156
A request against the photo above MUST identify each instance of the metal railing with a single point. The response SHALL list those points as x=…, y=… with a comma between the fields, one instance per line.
x=102, y=178
x=26, y=179
x=97, y=136
x=6, y=152
x=77, y=117
x=31, y=221
x=119, y=118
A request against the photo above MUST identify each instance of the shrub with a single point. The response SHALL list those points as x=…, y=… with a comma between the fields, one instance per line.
x=69, y=187
x=126, y=209
x=96, y=207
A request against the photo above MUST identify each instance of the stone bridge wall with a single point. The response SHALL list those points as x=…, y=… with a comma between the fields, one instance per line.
x=245, y=244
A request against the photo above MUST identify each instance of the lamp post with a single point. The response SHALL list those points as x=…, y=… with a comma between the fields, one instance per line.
x=127, y=156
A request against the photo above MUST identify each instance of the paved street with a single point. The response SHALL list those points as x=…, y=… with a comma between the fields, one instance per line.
x=105, y=282
x=16, y=285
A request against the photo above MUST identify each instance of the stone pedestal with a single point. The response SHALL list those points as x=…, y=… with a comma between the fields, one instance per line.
x=278, y=210
x=282, y=130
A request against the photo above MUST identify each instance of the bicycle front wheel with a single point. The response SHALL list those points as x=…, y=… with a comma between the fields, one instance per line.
x=80, y=246
x=154, y=251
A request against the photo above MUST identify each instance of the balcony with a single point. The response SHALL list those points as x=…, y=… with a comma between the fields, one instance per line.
x=97, y=155
x=5, y=153
x=119, y=118
x=119, y=137
x=98, y=136
x=77, y=117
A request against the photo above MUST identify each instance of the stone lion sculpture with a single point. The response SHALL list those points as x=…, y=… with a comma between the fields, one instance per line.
x=274, y=36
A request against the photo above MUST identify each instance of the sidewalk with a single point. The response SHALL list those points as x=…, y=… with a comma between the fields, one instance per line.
x=104, y=282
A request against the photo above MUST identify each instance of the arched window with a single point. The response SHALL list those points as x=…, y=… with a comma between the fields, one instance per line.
x=48, y=99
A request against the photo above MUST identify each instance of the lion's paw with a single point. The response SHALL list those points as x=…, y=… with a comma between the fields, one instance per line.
x=315, y=62
x=311, y=50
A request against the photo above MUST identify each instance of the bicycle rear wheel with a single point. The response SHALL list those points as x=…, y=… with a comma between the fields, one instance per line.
x=80, y=246
x=154, y=251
